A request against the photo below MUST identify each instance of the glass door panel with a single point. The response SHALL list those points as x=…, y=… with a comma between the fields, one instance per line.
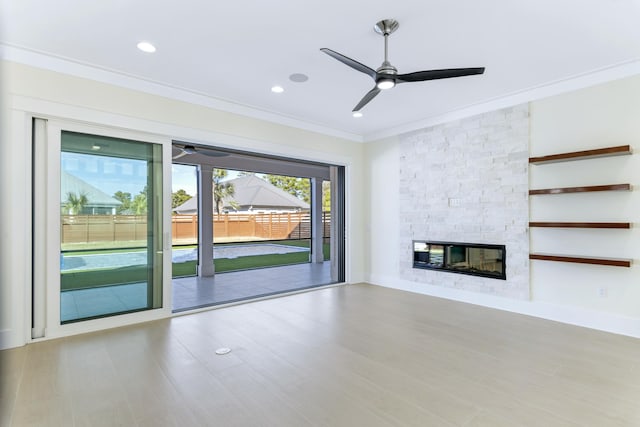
x=110, y=226
x=184, y=220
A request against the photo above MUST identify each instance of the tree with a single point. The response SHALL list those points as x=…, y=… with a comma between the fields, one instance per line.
x=221, y=190
x=326, y=196
x=125, y=202
x=179, y=197
x=298, y=187
x=76, y=202
x=139, y=203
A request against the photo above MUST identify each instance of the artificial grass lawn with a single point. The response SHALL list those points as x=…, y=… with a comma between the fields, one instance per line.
x=242, y=263
x=133, y=274
x=255, y=261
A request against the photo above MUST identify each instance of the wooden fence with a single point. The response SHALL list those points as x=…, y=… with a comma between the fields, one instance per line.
x=184, y=228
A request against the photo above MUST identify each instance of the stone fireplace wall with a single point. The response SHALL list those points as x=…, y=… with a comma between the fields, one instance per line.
x=467, y=181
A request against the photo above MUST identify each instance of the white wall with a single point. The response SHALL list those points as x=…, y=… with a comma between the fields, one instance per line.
x=6, y=216
x=29, y=90
x=599, y=116
x=604, y=115
x=382, y=201
x=594, y=117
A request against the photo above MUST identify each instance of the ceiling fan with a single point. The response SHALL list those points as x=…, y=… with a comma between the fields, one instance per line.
x=186, y=150
x=386, y=76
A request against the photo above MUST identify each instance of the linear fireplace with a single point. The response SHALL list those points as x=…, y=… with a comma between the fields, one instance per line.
x=475, y=259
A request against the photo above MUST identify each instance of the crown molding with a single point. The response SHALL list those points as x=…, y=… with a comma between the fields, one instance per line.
x=580, y=81
x=88, y=71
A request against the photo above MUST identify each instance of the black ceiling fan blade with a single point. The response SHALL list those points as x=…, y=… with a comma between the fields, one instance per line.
x=368, y=97
x=187, y=150
x=179, y=154
x=212, y=153
x=350, y=62
x=420, y=76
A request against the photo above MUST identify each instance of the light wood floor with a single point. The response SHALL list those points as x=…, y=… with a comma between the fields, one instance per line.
x=354, y=355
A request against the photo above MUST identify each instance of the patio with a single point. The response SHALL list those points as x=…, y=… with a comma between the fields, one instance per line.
x=193, y=292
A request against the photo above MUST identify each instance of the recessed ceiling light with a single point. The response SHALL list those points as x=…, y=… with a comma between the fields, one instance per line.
x=298, y=77
x=277, y=89
x=357, y=114
x=146, y=47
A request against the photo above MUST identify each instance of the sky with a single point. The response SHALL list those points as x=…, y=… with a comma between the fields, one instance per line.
x=110, y=174
x=185, y=177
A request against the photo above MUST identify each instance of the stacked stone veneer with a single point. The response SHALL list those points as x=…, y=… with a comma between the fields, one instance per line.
x=481, y=163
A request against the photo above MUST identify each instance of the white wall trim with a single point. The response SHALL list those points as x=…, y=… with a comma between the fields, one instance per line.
x=104, y=75
x=10, y=339
x=95, y=325
x=92, y=72
x=103, y=119
x=571, y=315
x=614, y=72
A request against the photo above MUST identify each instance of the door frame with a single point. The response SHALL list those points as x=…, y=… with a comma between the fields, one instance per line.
x=49, y=221
x=18, y=263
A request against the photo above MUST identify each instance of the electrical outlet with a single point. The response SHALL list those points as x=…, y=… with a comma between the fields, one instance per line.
x=603, y=292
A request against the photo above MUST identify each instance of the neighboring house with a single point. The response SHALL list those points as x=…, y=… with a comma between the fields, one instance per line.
x=98, y=202
x=251, y=195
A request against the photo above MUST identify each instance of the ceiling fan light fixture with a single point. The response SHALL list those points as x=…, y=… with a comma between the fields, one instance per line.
x=385, y=83
x=277, y=89
x=357, y=114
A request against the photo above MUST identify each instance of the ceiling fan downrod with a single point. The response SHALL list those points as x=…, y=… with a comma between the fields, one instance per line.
x=386, y=72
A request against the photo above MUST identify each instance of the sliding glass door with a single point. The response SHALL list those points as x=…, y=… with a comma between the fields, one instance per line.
x=110, y=226
x=99, y=228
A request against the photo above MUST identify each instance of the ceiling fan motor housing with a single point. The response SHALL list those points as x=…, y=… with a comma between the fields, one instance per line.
x=387, y=68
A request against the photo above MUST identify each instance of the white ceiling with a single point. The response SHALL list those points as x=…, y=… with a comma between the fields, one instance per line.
x=235, y=51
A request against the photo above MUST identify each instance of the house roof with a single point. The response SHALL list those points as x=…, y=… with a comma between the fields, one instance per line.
x=72, y=184
x=251, y=192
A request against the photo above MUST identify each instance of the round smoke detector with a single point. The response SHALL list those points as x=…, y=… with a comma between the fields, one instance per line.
x=298, y=77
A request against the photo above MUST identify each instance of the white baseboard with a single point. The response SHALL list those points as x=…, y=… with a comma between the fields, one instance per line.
x=9, y=339
x=602, y=321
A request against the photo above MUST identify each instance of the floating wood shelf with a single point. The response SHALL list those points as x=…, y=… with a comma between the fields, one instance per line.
x=610, y=187
x=583, y=260
x=580, y=224
x=579, y=155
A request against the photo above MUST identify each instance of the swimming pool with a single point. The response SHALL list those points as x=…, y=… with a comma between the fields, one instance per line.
x=125, y=259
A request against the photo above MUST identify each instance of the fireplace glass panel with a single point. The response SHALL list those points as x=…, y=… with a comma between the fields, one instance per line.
x=428, y=255
x=466, y=258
